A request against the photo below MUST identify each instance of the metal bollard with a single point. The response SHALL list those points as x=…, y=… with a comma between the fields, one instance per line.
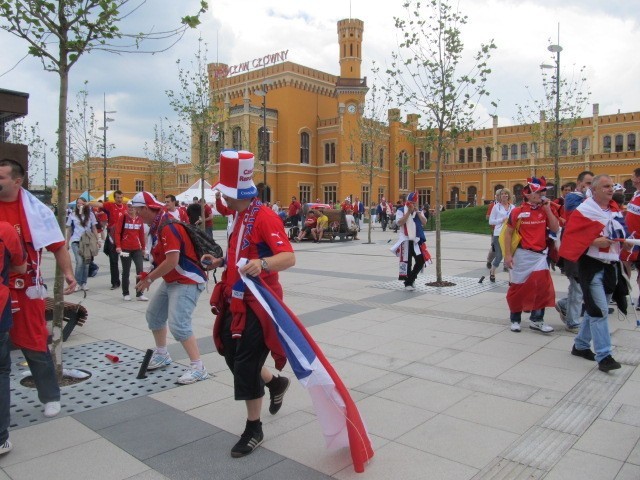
x=481, y=279
x=142, y=373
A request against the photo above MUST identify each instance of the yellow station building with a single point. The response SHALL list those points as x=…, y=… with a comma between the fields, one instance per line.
x=315, y=150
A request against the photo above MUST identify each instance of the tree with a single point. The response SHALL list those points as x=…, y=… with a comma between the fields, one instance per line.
x=21, y=132
x=196, y=104
x=370, y=136
x=59, y=33
x=425, y=76
x=162, y=154
x=554, y=116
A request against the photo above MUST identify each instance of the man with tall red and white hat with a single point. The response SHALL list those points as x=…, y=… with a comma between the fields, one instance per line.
x=182, y=279
x=531, y=287
x=242, y=333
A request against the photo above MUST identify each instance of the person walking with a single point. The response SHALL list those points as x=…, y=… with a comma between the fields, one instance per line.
x=499, y=214
x=114, y=211
x=80, y=220
x=130, y=243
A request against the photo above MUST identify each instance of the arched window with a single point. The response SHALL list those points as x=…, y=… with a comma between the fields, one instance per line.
x=403, y=170
x=505, y=152
x=551, y=191
x=472, y=194
x=517, y=193
x=619, y=143
x=470, y=155
x=304, y=148
x=574, y=146
x=629, y=190
x=514, y=152
x=563, y=147
x=631, y=142
x=497, y=187
x=606, y=144
x=479, y=154
x=461, y=155
x=488, y=153
x=585, y=144
x=263, y=147
x=424, y=160
x=534, y=148
x=236, y=138
x=455, y=195
x=523, y=150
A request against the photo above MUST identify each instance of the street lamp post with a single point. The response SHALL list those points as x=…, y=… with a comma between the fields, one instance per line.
x=556, y=154
x=104, y=129
x=264, y=138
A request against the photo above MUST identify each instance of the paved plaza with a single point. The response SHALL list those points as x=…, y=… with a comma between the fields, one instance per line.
x=446, y=390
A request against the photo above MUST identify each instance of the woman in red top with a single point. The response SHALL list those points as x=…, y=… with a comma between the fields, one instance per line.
x=129, y=239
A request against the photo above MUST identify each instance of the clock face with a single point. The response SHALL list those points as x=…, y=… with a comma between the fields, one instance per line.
x=351, y=108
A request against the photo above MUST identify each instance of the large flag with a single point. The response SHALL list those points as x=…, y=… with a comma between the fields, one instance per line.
x=337, y=413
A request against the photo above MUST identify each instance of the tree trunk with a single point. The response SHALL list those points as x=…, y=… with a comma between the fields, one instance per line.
x=367, y=208
x=437, y=215
x=58, y=288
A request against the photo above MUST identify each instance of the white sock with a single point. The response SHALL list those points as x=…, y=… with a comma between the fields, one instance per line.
x=162, y=350
x=197, y=365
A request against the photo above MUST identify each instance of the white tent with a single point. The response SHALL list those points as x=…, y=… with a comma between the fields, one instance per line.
x=195, y=190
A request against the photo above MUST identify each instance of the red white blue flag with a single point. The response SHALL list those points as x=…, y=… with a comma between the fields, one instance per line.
x=337, y=413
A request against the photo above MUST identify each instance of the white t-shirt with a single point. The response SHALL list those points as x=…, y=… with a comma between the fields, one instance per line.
x=77, y=228
x=351, y=222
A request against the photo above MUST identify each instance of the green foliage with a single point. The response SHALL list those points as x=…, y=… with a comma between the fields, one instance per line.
x=469, y=220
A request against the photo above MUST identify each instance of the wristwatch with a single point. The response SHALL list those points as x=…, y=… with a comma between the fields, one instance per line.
x=264, y=265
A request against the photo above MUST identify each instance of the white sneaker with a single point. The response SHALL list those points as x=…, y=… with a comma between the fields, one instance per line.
x=77, y=289
x=515, y=327
x=51, y=409
x=85, y=287
x=193, y=376
x=142, y=298
x=410, y=288
x=6, y=447
x=541, y=327
x=127, y=298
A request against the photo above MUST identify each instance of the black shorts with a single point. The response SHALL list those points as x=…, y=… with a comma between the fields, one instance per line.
x=245, y=356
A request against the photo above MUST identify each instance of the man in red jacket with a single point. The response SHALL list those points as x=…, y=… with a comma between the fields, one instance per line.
x=130, y=243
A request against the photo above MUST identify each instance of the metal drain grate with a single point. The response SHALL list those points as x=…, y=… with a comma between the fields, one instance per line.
x=464, y=286
x=110, y=382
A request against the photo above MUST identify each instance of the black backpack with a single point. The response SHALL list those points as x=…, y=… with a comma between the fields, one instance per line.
x=202, y=243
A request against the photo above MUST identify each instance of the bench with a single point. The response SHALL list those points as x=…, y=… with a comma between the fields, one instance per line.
x=337, y=226
x=74, y=314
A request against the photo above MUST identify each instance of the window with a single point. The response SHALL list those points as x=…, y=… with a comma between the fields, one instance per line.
x=585, y=144
x=330, y=194
x=563, y=147
x=380, y=193
x=514, y=152
x=629, y=190
x=470, y=155
x=631, y=142
x=351, y=153
x=619, y=143
x=81, y=184
x=461, y=155
x=236, y=138
x=497, y=187
x=488, y=153
x=329, y=153
x=183, y=178
x=75, y=183
x=574, y=147
x=381, y=157
x=364, y=194
x=523, y=150
x=114, y=184
x=365, y=153
x=265, y=142
x=517, y=193
x=534, y=148
x=304, y=195
x=505, y=152
x=479, y=154
x=424, y=160
x=424, y=197
x=304, y=148
x=218, y=144
x=606, y=144
x=455, y=195
x=403, y=170
x=472, y=194
x=139, y=185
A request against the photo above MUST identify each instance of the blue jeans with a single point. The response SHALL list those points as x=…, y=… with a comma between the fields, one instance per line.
x=572, y=303
x=82, y=269
x=596, y=328
x=5, y=389
x=44, y=375
x=535, y=316
x=173, y=303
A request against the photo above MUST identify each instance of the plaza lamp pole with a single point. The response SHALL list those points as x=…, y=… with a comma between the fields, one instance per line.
x=264, y=139
x=104, y=129
x=556, y=154
x=69, y=170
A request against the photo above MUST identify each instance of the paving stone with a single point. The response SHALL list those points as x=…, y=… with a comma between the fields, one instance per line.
x=120, y=412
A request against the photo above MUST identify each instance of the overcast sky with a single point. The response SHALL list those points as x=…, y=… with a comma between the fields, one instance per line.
x=603, y=36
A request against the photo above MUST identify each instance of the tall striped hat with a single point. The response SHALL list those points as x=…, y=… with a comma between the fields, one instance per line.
x=236, y=175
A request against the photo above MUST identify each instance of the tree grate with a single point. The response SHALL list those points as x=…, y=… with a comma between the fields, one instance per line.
x=110, y=382
x=464, y=286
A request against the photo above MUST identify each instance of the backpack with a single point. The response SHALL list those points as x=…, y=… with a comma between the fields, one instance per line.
x=202, y=243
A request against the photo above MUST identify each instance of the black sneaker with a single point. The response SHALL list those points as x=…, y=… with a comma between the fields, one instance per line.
x=249, y=441
x=276, y=394
x=586, y=354
x=608, y=363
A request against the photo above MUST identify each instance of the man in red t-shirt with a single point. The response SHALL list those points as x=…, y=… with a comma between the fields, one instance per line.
x=241, y=333
x=130, y=245
x=294, y=212
x=530, y=286
x=114, y=211
x=183, y=280
x=38, y=228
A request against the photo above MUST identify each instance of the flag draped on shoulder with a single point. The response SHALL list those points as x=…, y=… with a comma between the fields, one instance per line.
x=337, y=413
